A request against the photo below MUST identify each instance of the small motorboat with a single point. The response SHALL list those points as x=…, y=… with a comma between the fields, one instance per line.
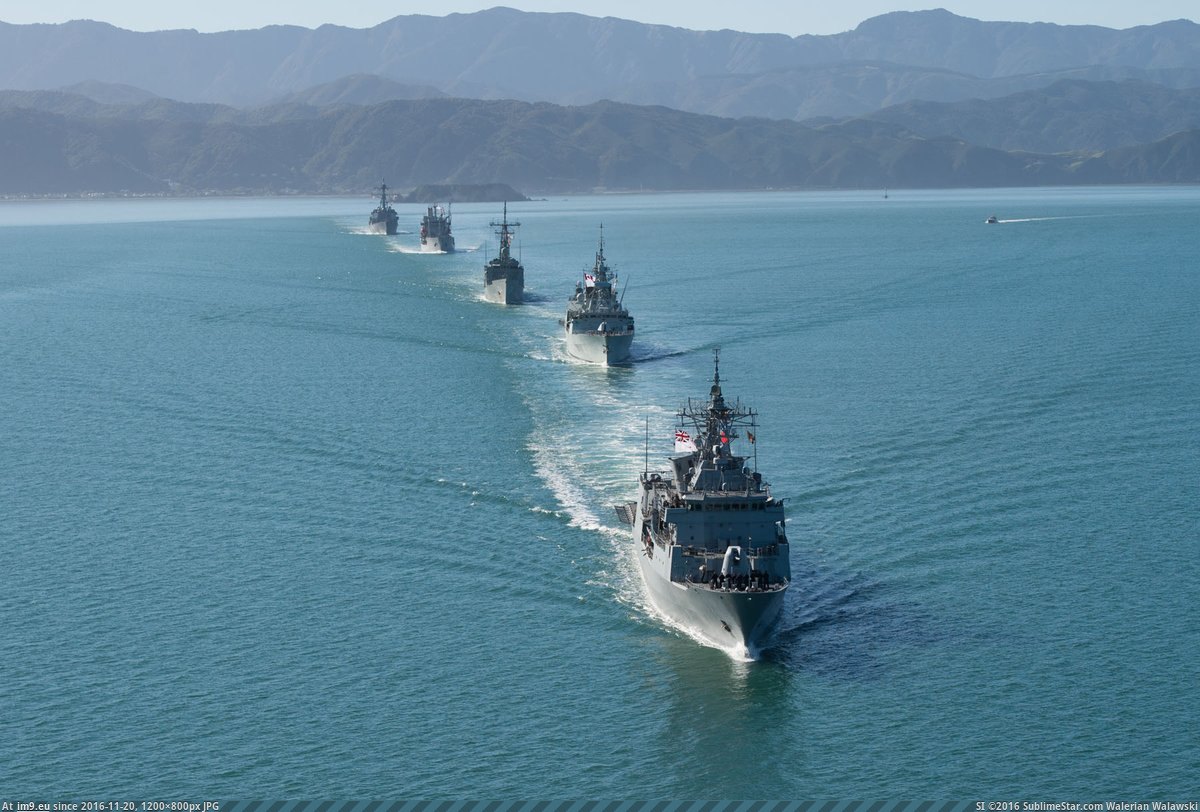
x=992, y=220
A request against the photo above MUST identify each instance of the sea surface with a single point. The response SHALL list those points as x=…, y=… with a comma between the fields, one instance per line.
x=288, y=511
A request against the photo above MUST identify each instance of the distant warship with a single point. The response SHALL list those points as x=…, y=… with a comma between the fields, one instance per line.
x=503, y=276
x=383, y=219
x=709, y=537
x=598, y=327
x=435, y=230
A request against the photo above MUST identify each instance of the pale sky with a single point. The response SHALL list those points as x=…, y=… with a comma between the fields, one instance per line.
x=778, y=16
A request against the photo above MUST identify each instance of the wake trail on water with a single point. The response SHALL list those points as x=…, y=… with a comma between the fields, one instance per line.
x=401, y=248
x=588, y=473
x=365, y=231
x=1046, y=219
x=559, y=473
x=409, y=249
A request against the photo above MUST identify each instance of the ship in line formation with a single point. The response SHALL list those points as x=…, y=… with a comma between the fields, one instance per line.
x=383, y=219
x=435, y=225
x=503, y=275
x=597, y=327
x=711, y=541
x=709, y=536
x=435, y=230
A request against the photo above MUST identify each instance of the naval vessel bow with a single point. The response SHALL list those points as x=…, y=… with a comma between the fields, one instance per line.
x=598, y=327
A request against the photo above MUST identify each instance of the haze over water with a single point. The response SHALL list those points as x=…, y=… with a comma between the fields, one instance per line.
x=288, y=511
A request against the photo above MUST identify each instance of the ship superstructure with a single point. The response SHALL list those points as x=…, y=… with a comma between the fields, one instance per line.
x=503, y=275
x=597, y=327
x=709, y=537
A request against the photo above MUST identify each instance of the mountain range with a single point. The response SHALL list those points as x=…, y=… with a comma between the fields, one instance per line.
x=564, y=102
x=1067, y=116
x=163, y=146
x=570, y=58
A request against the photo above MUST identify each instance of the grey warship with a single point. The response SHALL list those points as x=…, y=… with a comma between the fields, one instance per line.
x=503, y=276
x=383, y=219
x=435, y=230
x=598, y=327
x=709, y=537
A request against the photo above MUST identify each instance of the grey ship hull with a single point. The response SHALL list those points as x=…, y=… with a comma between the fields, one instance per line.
x=739, y=621
x=506, y=289
x=382, y=227
x=599, y=347
x=436, y=245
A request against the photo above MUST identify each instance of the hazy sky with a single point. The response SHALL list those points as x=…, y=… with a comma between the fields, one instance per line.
x=783, y=16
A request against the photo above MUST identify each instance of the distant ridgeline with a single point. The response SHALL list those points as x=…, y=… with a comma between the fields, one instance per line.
x=905, y=100
x=463, y=193
x=63, y=143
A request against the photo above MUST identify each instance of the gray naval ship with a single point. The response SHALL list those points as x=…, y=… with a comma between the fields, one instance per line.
x=709, y=536
x=383, y=219
x=598, y=327
x=435, y=230
x=503, y=276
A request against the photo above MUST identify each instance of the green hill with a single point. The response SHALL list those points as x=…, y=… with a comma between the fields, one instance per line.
x=51, y=144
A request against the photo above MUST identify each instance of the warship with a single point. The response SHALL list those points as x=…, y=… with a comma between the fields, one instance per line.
x=598, y=327
x=435, y=230
x=383, y=219
x=503, y=276
x=709, y=537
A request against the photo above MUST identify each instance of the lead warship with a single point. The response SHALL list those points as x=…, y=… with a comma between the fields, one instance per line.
x=435, y=230
x=709, y=536
x=503, y=276
x=384, y=219
x=598, y=327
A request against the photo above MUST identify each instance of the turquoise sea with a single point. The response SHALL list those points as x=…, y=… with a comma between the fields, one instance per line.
x=287, y=511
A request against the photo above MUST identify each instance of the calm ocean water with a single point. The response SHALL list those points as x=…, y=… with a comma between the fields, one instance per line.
x=288, y=511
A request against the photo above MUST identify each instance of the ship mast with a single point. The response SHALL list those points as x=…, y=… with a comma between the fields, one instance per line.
x=646, y=465
x=601, y=269
x=504, y=234
x=715, y=421
x=716, y=408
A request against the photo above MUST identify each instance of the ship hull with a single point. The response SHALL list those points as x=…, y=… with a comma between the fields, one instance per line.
x=438, y=245
x=741, y=622
x=508, y=289
x=382, y=227
x=598, y=347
